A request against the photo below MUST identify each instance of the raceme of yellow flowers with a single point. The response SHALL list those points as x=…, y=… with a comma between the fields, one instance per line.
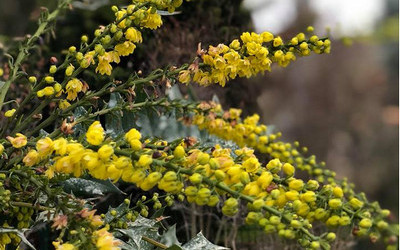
x=252, y=54
x=110, y=43
x=277, y=201
x=248, y=132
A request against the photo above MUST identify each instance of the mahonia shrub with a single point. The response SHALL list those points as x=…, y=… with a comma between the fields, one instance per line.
x=62, y=143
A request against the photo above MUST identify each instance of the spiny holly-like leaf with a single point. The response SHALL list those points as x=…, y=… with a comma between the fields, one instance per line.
x=200, y=242
x=89, y=188
x=135, y=232
x=169, y=237
x=114, y=120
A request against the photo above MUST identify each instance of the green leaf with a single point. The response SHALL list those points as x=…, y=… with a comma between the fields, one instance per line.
x=174, y=93
x=200, y=242
x=174, y=247
x=169, y=237
x=80, y=129
x=114, y=120
x=120, y=210
x=89, y=188
x=158, y=213
x=141, y=227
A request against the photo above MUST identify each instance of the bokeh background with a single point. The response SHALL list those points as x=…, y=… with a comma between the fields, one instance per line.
x=342, y=106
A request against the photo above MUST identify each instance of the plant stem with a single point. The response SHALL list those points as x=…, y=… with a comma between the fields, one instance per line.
x=155, y=243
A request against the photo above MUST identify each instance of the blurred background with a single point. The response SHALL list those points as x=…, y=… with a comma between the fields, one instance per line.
x=342, y=106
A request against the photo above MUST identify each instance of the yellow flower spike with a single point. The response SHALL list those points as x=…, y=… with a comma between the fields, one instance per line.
x=19, y=141
x=9, y=113
x=95, y=134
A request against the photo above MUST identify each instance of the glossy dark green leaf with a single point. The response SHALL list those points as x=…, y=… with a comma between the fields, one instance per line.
x=200, y=242
x=169, y=237
x=113, y=122
x=89, y=188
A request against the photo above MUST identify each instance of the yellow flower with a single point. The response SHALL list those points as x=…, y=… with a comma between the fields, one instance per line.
x=105, y=152
x=31, y=158
x=104, y=66
x=1, y=149
x=95, y=134
x=63, y=104
x=19, y=141
x=73, y=87
x=152, y=20
x=251, y=165
x=144, y=161
x=105, y=240
x=126, y=48
x=60, y=146
x=133, y=35
x=45, y=147
x=65, y=246
x=133, y=134
x=9, y=113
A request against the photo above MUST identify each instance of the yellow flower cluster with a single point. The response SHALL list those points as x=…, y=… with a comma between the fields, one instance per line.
x=111, y=42
x=205, y=177
x=252, y=54
x=101, y=238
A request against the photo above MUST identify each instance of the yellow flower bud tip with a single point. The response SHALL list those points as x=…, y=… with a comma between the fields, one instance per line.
x=258, y=204
x=331, y=236
x=277, y=41
x=1, y=152
x=49, y=79
x=53, y=69
x=314, y=39
x=365, y=223
x=335, y=203
x=310, y=29
x=84, y=39
x=288, y=169
x=72, y=49
x=97, y=32
x=1, y=71
x=315, y=245
x=196, y=178
x=114, y=8
x=9, y=113
x=32, y=79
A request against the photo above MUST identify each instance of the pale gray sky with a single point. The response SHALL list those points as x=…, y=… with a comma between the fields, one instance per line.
x=344, y=17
